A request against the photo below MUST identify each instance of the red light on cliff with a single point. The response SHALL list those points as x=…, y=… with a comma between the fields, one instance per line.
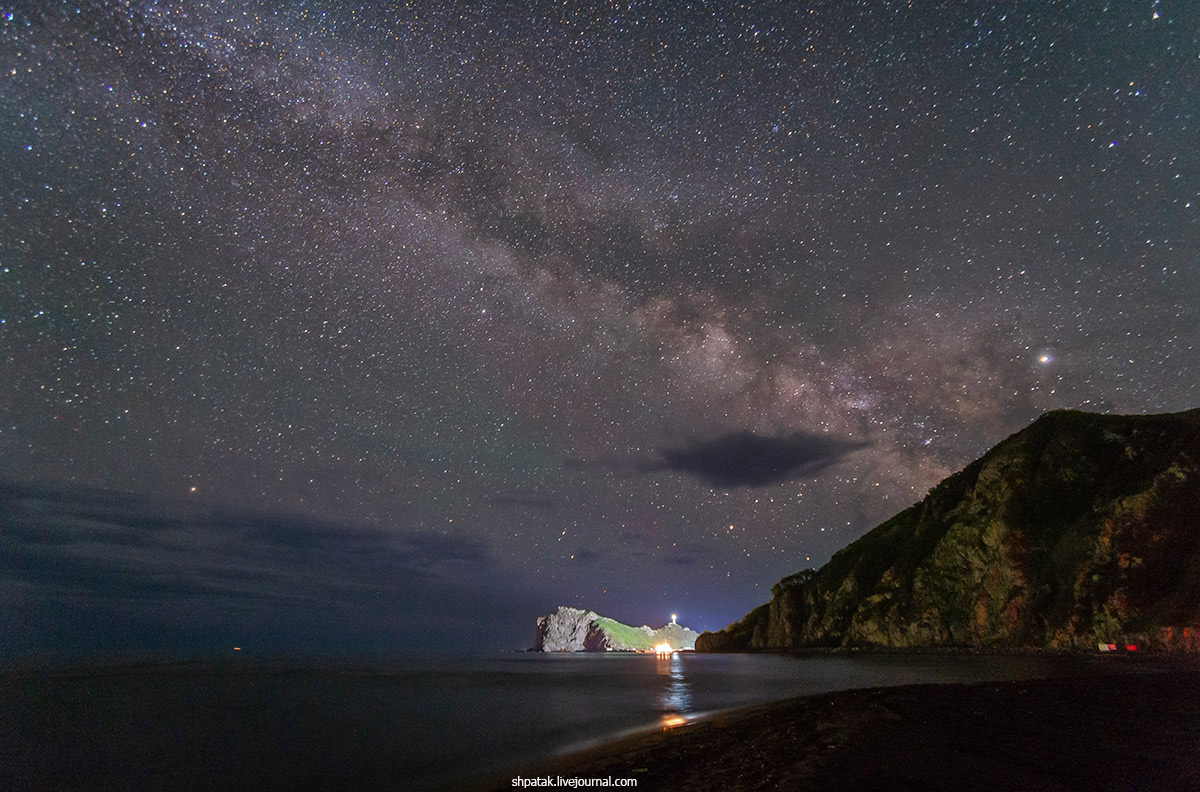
x=1130, y=647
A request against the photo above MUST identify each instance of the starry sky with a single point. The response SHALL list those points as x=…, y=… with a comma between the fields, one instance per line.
x=387, y=324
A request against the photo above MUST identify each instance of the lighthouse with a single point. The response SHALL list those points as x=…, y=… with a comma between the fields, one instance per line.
x=673, y=617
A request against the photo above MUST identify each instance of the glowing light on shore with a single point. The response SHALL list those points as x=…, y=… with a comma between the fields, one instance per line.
x=663, y=649
x=671, y=721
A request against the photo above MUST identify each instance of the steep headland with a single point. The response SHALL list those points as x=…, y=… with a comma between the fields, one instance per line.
x=1080, y=529
x=575, y=630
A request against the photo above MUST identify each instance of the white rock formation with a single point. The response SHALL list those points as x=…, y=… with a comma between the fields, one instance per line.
x=565, y=630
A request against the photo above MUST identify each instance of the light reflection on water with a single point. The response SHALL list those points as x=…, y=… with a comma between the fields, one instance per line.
x=549, y=704
x=675, y=703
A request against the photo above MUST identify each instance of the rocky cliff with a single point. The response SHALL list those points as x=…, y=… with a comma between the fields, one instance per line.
x=575, y=630
x=1080, y=529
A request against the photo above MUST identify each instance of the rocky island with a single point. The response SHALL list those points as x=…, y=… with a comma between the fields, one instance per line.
x=1078, y=532
x=575, y=630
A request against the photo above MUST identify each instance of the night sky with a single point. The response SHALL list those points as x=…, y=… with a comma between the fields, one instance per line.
x=397, y=326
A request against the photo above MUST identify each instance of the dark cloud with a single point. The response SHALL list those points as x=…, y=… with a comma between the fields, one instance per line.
x=75, y=561
x=744, y=459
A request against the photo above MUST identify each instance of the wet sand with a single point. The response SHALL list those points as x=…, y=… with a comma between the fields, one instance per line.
x=1125, y=731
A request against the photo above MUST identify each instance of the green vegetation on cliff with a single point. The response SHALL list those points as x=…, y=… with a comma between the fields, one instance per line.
x=575, y=630
x=1080, y=529
x=623, y=637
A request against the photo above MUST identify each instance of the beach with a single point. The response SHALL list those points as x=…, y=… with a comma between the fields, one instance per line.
x=1121, y=731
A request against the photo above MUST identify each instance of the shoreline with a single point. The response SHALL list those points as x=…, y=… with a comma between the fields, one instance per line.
x=1135, y=728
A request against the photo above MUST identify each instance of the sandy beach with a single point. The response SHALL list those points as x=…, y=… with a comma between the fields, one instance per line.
x=1125, y=731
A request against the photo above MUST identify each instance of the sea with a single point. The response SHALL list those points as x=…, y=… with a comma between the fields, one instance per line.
x=421, y=724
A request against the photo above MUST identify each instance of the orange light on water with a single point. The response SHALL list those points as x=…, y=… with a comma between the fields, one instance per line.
x=663, y=649
x=671, y=721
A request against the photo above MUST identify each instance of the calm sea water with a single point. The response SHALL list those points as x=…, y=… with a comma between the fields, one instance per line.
x=407, y=725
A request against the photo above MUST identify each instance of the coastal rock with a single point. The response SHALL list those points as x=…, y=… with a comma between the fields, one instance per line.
x=575, y=630
x=1079, y=530
x=565, y=630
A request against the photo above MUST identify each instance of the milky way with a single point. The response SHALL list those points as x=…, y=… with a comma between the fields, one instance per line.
x=536, y=282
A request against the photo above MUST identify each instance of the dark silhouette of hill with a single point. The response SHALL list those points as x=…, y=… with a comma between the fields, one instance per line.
x=1078, y=530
